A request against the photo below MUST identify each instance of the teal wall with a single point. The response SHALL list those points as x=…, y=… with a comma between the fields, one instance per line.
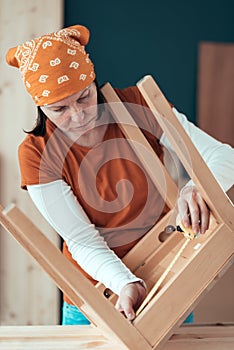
x=130, y=39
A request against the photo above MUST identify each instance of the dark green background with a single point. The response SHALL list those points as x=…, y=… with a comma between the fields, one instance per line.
x=130, y=39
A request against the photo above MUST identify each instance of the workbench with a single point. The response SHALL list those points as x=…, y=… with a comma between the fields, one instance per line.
x=187, y=337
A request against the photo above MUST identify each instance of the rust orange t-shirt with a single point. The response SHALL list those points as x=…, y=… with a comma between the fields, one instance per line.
x=108, y=180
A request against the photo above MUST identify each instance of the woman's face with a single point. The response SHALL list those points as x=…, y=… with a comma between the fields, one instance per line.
x=75, y=114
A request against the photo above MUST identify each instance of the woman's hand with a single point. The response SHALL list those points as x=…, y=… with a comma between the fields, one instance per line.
x=130, y=298
x=193, y=210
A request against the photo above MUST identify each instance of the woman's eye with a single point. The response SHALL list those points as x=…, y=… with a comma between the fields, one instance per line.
x=59, y=109
x=83, y=98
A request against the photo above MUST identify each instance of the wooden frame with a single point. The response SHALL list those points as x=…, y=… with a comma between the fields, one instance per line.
x=219, y=337
x=193, y=273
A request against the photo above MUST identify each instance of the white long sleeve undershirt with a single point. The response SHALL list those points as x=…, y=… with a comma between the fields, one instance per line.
x=218, y=156
x=57, y=203
x=59, y=206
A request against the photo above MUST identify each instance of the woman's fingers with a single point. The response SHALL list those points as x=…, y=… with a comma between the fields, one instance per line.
x=125, y=306
x=183, y=212
x=204, y=213
x=131, y=296
x=193, y=210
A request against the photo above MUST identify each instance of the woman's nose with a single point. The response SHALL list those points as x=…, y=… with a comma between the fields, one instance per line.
x=77, y=114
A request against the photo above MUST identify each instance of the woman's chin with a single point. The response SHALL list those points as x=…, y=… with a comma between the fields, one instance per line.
x=80, y=132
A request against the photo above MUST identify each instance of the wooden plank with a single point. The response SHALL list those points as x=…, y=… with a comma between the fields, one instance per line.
x=54, y=337
x=174, y=301
x=21, y=21
x=86, y=337
x=154, y=167
x=151, y=243
x=211, y=337
x=218, y=202
x=71, y=281
x=215, y=85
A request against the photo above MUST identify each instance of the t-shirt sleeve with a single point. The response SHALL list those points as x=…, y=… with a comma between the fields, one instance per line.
x=36, y=166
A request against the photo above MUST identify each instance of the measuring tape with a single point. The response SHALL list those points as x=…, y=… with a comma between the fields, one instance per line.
x=189, y=235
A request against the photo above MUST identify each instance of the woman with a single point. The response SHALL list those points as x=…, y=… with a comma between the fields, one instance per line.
x=82, y=174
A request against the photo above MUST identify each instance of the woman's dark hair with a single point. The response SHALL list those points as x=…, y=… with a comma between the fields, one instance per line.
x=40, y=128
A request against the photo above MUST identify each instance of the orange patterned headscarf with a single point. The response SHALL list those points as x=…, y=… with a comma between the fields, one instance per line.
x=54, y=66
